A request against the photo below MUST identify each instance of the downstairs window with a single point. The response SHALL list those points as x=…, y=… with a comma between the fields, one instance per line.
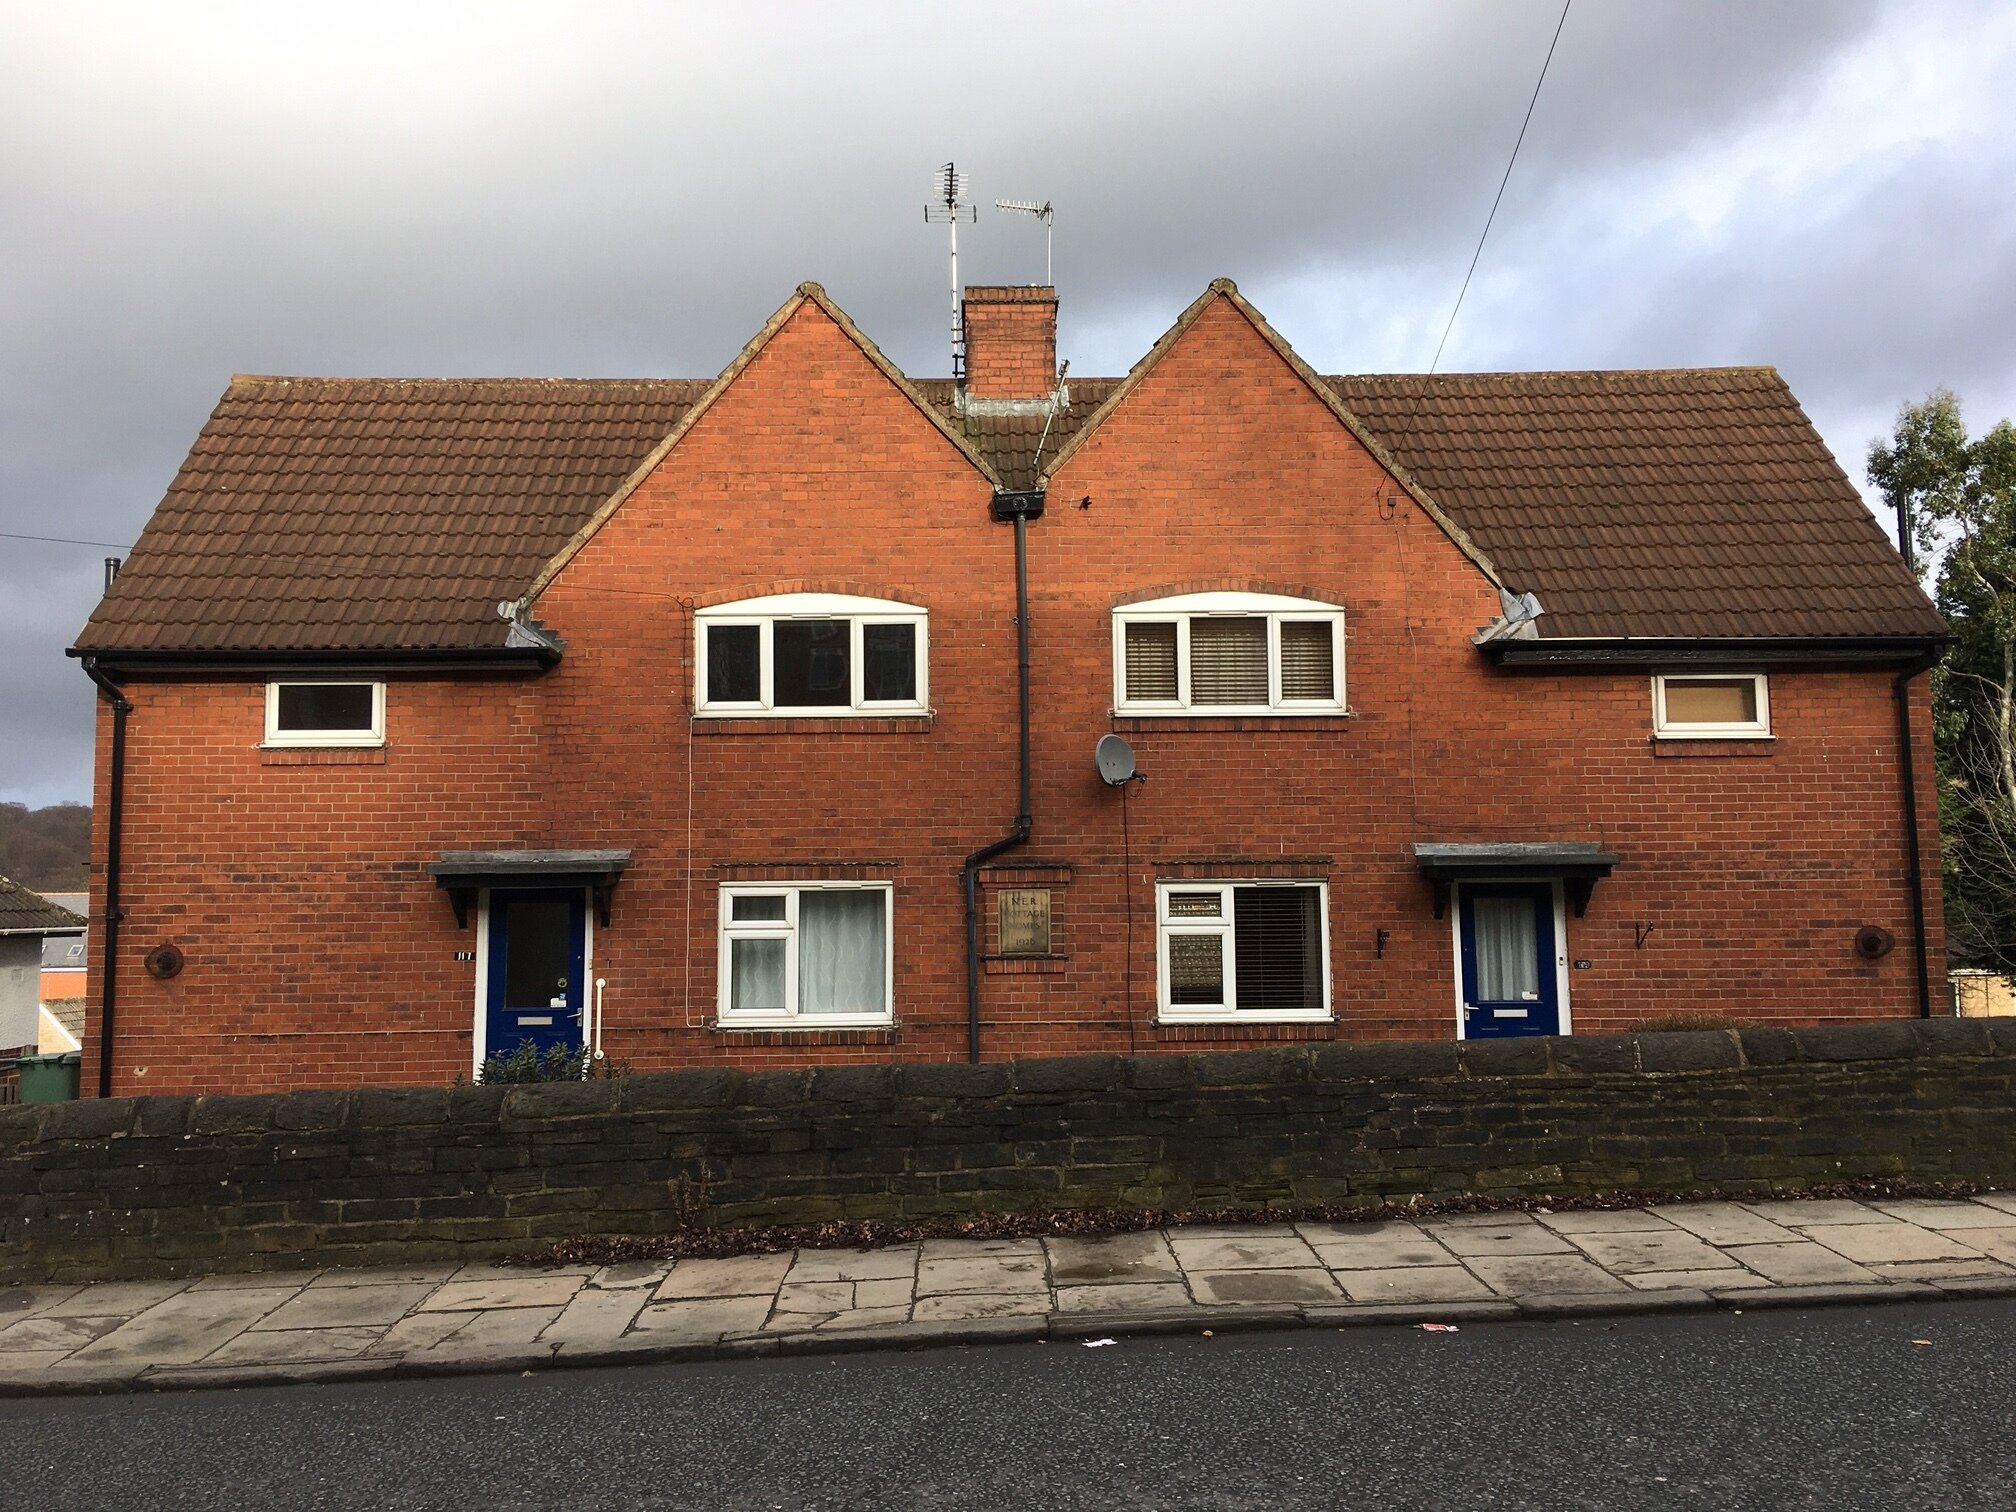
x=805, y=955
x=1242, y=950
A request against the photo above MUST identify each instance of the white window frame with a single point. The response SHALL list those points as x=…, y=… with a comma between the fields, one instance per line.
x=786, y=929
x=1757, y=729
x=1224, y=1012
x=275, y=736
x=858, y=612
x=1184, y=608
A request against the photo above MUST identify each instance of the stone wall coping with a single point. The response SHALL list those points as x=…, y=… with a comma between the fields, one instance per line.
x=1656, y=1054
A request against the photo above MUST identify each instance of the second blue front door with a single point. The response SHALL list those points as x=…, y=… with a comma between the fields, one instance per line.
x=538, y=956
x=1509, y=949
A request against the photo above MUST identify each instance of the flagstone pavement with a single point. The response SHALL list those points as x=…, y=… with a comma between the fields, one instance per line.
x=436, y=1319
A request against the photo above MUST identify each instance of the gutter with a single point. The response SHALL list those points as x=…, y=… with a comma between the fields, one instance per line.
x=115, y=815
x=1907, y=771
x=508, y=658
x=1628, y=651
x=1020, y=508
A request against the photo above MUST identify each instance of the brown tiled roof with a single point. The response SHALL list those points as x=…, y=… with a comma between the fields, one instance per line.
x=1009, y=440
x=1686, y=503
x=25, y=912
x=326, y=513
x=364, y=514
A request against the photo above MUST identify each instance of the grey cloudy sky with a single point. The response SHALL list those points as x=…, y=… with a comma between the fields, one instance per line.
x=610, y=189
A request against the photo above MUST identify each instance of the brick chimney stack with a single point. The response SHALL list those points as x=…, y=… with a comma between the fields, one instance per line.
x=1011, y=341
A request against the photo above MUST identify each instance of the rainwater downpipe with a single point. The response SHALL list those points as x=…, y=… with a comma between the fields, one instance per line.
x=115, y=811
x=1908, y=770
x=1021, y=508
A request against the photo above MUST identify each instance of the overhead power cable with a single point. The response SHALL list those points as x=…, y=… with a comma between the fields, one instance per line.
x=15, y=535
x=1498, y=198
x=1414, y=411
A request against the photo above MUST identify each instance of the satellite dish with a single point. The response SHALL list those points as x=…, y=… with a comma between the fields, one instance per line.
x=1116, y=760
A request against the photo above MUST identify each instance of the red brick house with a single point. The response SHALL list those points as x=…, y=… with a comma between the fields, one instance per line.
x=687, y=719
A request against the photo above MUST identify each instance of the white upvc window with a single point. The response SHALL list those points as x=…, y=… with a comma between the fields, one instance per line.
x=1242, y=951
x=1711, y=706
x=1228, y=653
x=325, y=712
x=817, y=654
x=806, y=955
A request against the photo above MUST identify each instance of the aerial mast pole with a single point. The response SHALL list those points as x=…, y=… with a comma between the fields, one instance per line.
x=948, y=208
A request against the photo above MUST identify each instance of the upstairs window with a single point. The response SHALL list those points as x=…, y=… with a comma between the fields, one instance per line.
x=325, y=713
x=1228, y=653
x=812, y=653
x=1711, y=706
x=1242, y=950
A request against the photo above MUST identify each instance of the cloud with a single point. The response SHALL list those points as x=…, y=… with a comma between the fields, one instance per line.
x=630, y=188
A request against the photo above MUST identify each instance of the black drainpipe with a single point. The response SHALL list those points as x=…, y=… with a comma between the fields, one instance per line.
x=1907, y=767
x=115, y=814
x=1021, y=508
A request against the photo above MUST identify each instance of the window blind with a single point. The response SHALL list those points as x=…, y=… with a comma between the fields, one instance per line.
x=1151, y=663
x=1277, y=942
x=1699, y=701
x=1307, y=660
x=1228, y=661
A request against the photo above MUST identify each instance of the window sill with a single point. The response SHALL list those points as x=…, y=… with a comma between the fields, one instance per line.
x=1184, y=1033
x=774, y=1034
x=1031, y=965
x=812, y=724
x=301, y=756
x=1231, y=1020
x=1667, y=746
x=1189, y=721
x=828, y=1025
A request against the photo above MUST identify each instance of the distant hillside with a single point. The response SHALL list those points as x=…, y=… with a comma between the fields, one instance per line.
x=48, y=849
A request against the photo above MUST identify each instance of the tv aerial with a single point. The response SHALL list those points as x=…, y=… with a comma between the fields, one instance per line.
x=948, y=207
x=1043, y=212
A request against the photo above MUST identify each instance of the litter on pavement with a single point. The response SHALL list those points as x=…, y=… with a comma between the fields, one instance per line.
x=1097, y=1343
x=1439, y=1328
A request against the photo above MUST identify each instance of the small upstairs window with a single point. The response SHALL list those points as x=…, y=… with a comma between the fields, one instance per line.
x=1711, y=706
x=812, y=654
x=325, y=713
x=1228, y=653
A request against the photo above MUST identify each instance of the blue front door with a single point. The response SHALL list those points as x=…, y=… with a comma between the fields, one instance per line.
x=538, y=951
x=1509, y=959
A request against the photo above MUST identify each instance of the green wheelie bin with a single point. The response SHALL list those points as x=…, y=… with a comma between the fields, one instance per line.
x=49, y=1078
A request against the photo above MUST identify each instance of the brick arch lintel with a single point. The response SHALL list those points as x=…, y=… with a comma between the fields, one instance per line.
x=768, y=589
x=1219, y=585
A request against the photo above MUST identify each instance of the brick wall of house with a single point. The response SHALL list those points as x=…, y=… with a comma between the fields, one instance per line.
x=320, y=953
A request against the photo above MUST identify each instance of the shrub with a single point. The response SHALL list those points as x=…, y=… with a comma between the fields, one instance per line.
x=558, y=1064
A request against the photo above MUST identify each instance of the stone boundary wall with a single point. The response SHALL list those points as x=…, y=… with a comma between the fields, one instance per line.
x=170, y=1185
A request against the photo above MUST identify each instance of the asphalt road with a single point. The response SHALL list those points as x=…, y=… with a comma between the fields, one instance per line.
x=1834, y=1408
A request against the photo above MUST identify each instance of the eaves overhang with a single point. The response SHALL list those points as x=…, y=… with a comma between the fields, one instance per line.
x=1632, y=651
x=399, y=659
